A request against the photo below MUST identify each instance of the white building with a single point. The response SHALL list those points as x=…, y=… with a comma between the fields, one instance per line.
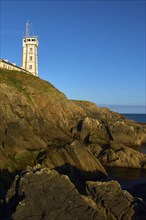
x=11, y=66
x=29, y=53
x=29, y=56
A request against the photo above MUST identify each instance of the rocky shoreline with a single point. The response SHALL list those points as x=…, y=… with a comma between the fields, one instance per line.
x=42, y=193
x=53, y=153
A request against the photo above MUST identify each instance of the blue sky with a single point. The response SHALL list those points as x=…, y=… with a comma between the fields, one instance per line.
x=90, y=50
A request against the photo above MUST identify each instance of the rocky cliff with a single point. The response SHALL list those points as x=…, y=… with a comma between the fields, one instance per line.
x=39, y=125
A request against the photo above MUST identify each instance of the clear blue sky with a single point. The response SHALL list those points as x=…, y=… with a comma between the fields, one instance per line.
x=90, y=50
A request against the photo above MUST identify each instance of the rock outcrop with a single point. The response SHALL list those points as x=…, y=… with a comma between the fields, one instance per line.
x=36, y=116
x=44, y=194
x=75, y=158
x=102, y=131
x=122, y=156
x=112, y=198
x=72, y=141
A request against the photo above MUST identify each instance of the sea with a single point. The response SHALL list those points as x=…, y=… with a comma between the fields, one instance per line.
x=136, y=117
x=132, y=112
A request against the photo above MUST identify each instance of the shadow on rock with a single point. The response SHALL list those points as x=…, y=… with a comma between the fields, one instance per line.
x=78, y=176
x=6, y=179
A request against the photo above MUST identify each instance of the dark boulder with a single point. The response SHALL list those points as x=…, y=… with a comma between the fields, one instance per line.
x=44, y=194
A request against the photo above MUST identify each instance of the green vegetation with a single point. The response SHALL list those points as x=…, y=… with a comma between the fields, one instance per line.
x=10, y=166
x=23, y=82
x=22, y=160
x=8, y=76
x=16, y=163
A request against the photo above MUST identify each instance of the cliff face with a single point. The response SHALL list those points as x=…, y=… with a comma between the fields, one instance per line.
x=36, y=116
x=39, y=125
x=35, y=110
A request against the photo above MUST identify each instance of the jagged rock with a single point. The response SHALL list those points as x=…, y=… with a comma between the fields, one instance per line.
x=94, y=111
x=127, y=132
x=118, y=128
x=44, y=194
x=122, y=156
x=103, y=131
x=40, y=125
x=35, y=116
x=112, y=197
x=75, y=158
x=94, y=131
x=95, y=149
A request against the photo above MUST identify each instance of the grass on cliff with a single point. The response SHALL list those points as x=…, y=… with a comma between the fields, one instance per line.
x=23, y=82
x=19, y=161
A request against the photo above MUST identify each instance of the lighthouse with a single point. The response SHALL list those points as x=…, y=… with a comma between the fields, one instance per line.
x=29, y=52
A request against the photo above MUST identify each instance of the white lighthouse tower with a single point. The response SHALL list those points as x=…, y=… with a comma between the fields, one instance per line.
x=29, y=53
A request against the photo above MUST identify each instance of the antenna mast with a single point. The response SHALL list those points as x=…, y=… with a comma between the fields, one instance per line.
x=27, y=28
